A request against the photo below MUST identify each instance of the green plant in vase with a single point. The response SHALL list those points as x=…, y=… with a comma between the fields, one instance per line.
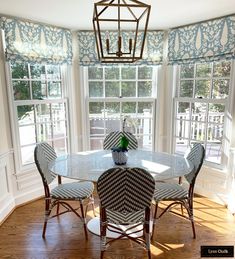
x=124, y=142
x=119, y=153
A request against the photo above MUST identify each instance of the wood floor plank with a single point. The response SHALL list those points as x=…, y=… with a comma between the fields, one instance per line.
x=20, y=235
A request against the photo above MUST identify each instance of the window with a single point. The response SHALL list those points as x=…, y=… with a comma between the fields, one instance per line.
x=40, y=109
x=200, y=106
x=118, y=92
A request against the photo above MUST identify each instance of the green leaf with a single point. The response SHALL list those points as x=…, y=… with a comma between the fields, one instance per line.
x=124, y=142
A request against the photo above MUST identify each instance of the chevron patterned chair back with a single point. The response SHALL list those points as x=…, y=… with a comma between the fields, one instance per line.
x=43, y=155
x=125, y=198
x=113, y=140
x=176, y=192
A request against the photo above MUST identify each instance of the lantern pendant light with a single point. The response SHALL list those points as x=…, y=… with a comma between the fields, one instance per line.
x=120, y=28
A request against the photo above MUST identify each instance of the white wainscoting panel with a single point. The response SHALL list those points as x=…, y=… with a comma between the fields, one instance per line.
x=7, y=201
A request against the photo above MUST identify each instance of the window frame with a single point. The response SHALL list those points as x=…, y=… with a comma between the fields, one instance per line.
x=227, y=102
x=13, y=104
x=85, y=107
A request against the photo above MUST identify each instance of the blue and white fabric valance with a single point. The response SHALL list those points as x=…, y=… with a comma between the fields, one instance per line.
x=152, y=55
x=206, y=41
x=36, y=43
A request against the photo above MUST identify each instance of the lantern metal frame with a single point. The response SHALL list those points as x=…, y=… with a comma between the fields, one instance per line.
x=130, y=55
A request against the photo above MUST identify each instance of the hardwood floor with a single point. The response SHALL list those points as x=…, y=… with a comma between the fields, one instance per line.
x=20, y=235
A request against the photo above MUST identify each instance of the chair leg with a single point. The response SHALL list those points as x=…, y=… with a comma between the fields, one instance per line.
x=58, y=208
x=47, y=215
x=84, y=220
x=154, y=220
x=93, y=205
x=102, y=238
x=191, y=217
x=192, y=221
x=182, y=209
x=147, y=240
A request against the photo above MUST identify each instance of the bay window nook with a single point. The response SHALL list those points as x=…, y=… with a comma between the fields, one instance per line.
x=54, y=89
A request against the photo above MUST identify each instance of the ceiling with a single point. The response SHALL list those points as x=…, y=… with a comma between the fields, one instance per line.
x=77, y=14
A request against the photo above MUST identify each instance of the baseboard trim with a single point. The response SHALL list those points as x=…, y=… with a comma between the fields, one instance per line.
x=7, y=209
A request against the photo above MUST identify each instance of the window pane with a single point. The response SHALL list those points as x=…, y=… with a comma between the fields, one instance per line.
x=112, y=89
x=59, y=129
x=183, y=109
x=43, y=113
x=202, y=89
x=58, y=111
x=128, y=89
x=54, y=90
x=186, y=88
x=216, y=113
x=95, y=72
x=39, y=90
x=215, y=133
x=222, y=69
x=145, y=72
x=214, y=143
x=198, y=131
x=182, y=128
x=96, y=111
x=19, y=71
x=113, y=116
x=96, y=107
x=186, y=71
x=220, y=88
x=113, y=124
x=44, y=132
x=38, y=72
x=199, y=111
x=181, y=146
x=25, y=114
x=113, y=108
x=112, y=73
x=129, y=107
x=96, y=125
x=21, y=90
x=96, y=89
x=96, y=143
x=53, y=73
x=128, y=72
x=145, y=107
x=144, y=89
x=27, y=135
x=203, y=70
x=60, y=146
x=27, y=154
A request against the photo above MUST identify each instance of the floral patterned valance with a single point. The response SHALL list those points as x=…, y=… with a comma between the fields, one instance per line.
x=206, y=41
x=36, y=43
x=153, y=50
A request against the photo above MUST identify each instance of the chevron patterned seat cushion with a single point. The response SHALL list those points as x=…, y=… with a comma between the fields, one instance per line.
x=169, y=191
x=73, y=191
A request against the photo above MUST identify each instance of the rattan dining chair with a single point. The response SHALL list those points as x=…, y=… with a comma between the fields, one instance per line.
x=61, y=194
x=177, y=193
x=125, y=199
x=113, y=139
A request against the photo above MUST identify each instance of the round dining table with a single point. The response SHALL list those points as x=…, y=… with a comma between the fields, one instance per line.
x=89, y=165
